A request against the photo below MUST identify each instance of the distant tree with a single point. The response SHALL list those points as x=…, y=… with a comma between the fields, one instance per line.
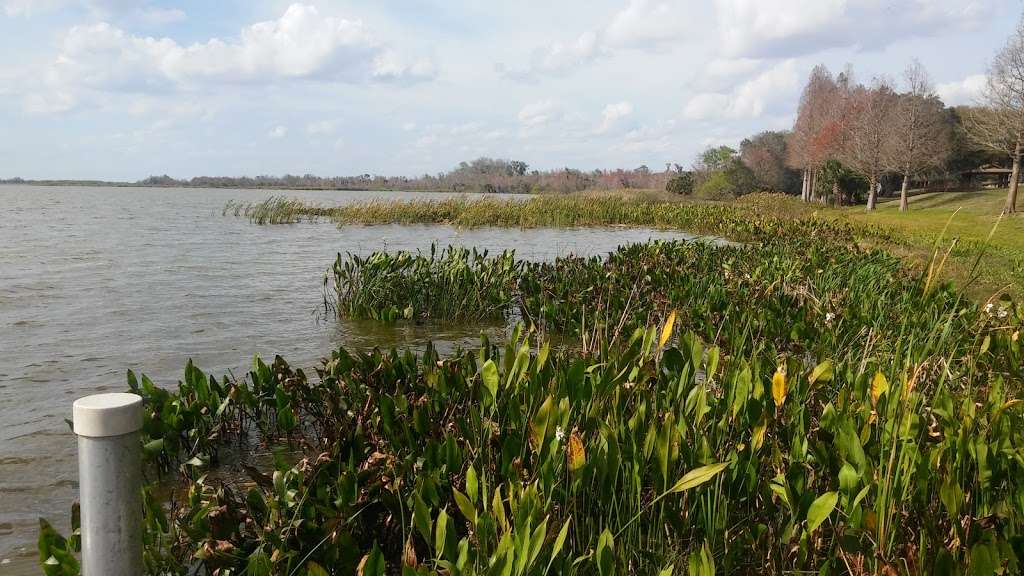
x=681, y=183
x=965, y=153
x=921, y=134
x=517, y=168
x=868, y=128
x=999, y=124
x=716, y=158
x=765, y=155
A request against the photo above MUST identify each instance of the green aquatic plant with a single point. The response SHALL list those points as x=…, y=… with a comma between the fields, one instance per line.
x=456, y=284
x=661, y=454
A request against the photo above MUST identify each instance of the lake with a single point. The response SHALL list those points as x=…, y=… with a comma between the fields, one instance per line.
x=94, y=281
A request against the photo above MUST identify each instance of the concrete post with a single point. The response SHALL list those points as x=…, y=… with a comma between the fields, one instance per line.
x=110, y=483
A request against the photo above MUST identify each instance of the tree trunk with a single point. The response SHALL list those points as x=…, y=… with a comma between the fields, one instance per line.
x=1011, y=194
x=904, y=202
x=872, y=193
x=835, y=194
x=805, y=186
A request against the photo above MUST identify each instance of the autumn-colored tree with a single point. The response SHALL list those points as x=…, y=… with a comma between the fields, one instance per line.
x=802, y=143
x=868, y=129
x=921, y=132
x=820, y=125
x=765, y=155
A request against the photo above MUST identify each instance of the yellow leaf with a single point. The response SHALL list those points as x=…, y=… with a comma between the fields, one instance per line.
x=879, y=386
x=779, y=386
x=577, y=455
x=666, y=330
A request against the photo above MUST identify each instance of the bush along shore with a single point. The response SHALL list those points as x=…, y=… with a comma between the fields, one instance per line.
x=792, y=406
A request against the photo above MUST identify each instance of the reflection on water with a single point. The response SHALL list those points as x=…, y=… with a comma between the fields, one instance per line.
x=94, y=281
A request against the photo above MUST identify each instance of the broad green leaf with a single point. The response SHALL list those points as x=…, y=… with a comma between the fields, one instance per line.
x=605, y=553
x=472, y=484
x=698, y=476
x=440, y=533
x=465, y=506
x=822, y=372
x=879, y=387
x=820, y=509
x=489, y=374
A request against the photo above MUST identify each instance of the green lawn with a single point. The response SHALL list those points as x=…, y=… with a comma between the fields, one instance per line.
x=968, y=217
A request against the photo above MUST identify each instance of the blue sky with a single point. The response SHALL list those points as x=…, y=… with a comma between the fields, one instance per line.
x=122, y=89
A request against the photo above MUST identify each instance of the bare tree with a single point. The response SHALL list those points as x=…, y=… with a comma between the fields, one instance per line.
x=868, y=131
x=921, y=133
x=999, y=126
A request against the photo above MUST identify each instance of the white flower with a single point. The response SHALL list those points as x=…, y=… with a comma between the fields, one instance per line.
x=559, y=434
x=829, y=317
x=1003, y=312
x=988, y=308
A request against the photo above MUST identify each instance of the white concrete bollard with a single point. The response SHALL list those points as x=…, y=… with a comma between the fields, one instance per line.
x=110, y=483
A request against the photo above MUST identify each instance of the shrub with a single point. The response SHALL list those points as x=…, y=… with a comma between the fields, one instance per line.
x=716, y=187
x=681, y=184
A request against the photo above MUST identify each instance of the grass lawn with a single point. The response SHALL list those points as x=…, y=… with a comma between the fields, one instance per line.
x=968, y=217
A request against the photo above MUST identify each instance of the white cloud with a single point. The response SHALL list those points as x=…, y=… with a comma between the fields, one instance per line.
x=750, y=99
x=613, y=114
x=539, y=113
x=966, y=91
x=301, y=45
x=321, y=127
x=648, y=25
x=278, y=132
x=774, y=28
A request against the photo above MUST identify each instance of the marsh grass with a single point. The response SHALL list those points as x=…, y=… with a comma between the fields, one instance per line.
x=751, y=218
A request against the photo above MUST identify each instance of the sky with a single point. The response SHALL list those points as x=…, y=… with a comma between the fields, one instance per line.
x=124, y=89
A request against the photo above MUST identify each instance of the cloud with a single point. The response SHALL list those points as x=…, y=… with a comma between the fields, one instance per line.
x=613, y=114
x=301, y=45
x=781, y=28
x=540, y=113
x=647, y=25
x=966, y=91
x=751, y=99
x=278, y=132
x=321, y=127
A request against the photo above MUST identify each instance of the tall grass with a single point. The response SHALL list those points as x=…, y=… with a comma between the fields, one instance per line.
x=748, y=220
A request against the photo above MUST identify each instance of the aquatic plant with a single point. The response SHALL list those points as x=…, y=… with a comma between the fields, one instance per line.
x=658, y=455
x=457, y=284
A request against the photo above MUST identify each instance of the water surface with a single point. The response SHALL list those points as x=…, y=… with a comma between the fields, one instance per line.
x=94, y=281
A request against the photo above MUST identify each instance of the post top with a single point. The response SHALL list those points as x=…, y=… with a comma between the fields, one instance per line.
x=103, y=415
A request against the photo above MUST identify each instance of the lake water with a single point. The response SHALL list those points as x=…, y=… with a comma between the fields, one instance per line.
x=94, y=281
